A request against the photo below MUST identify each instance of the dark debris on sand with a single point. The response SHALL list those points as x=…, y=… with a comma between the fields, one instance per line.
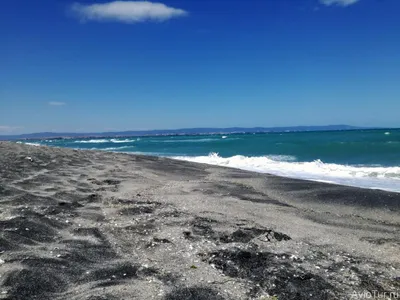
x=271, y=272
x=194, y=293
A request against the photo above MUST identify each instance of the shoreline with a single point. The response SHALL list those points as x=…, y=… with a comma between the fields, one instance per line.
x=78, y=224
x=325, y=181
x=340, y=181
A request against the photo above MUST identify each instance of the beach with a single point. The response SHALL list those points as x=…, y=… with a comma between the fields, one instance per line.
x=82, y=224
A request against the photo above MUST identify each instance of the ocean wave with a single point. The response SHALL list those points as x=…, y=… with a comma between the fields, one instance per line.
x=386, y=178
x=282, y=157
x=122, y=141
x=204, y=140
x=114, y=148
x=99, y=141
x=187, y=141
x=102, y=141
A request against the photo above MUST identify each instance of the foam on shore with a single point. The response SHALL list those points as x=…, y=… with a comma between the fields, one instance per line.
x=385, y=178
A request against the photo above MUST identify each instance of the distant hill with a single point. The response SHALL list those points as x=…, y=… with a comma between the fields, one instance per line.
x=42, y=135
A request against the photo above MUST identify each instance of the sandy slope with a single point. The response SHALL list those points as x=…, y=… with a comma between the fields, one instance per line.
x=96, y=225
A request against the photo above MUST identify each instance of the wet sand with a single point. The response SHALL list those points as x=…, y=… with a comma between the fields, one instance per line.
x=97, y=225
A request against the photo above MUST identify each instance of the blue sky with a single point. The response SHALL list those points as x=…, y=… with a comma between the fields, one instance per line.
x=99, y=66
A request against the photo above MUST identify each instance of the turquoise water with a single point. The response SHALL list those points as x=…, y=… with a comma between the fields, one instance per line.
x=366, y=158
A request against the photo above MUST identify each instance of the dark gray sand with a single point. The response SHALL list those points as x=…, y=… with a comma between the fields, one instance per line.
x=96, y=225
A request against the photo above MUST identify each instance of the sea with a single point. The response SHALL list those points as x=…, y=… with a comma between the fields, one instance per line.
x=361, y=158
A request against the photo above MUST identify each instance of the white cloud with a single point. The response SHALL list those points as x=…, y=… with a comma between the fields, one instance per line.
x=55, y=103
x=6, y=128
x=126, y=11
x=339, y=2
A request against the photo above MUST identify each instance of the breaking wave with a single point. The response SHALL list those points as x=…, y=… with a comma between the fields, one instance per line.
x=186, y=141
x=122, y=141
x=114, y=148
x=385, y=178
x=92, y=141
x=102, y=141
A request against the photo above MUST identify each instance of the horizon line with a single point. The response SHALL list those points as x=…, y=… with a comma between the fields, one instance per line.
x=204, y=130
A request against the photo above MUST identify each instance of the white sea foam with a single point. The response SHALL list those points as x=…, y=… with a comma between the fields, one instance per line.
x=187, y=141
x=224, y=136
x=101, y=141
x=114, y=148
x=122, y=141
x=92, y=141
x=386, y=178
x=282, y=157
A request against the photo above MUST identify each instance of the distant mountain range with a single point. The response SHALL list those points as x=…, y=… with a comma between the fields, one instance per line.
x=192, y=131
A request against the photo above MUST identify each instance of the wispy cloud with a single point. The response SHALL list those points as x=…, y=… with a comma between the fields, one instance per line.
x=339, y=2
x=6, y=128
x=126, y=11
x=55, y=103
